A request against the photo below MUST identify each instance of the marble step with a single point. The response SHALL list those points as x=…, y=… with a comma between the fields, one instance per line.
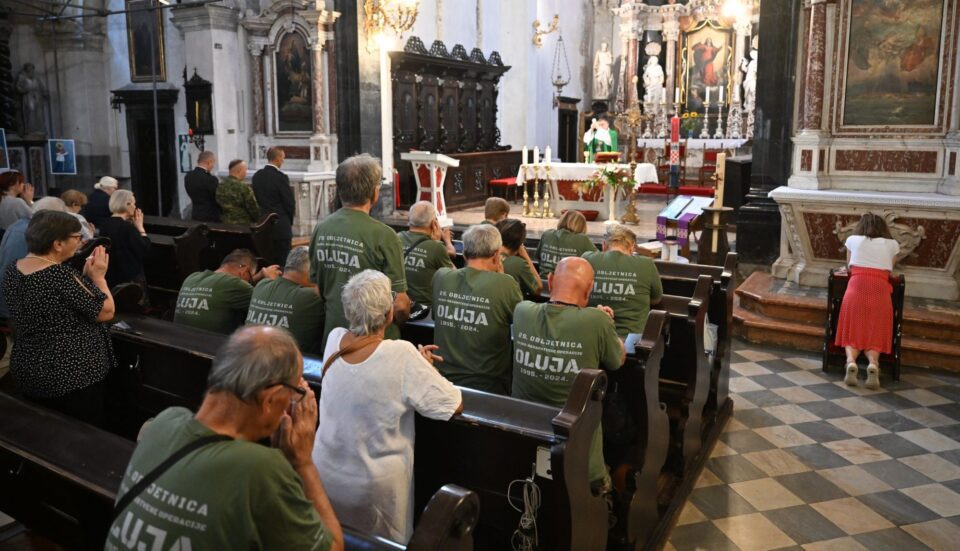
x=764, y=294
x=767, y=312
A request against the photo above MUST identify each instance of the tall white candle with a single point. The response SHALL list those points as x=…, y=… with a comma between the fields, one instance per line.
x=676, y=95
x=708, y=95
x=721, y=95
x=536, y=155
x=523, y=156
x=663, y=99
x=547, y=156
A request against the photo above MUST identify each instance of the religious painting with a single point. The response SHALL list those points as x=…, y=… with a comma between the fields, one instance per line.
x=705, y=66
x=145, y=41
x=62, y=155
x=183, y=153
x=294, y=78
x=893, y=62
x=4, y=156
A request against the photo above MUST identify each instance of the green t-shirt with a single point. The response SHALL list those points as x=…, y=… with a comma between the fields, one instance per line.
x=343, y=245
x=555, y=245
x=551, y=344
x=627, y=284
x=472, y=313
x=283, y=303
x=422, y=261
x=214, y=301
x=225, y=495
x=517, y=267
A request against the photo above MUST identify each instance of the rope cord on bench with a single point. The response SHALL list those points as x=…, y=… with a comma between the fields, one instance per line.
x=525, y=536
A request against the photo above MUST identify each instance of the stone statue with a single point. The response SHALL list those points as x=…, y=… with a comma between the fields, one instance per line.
x=750, y=81
x=653, y=81
x=32, y=93
x=603, y=72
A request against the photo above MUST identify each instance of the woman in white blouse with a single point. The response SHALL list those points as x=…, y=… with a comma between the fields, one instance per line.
x=371, y=389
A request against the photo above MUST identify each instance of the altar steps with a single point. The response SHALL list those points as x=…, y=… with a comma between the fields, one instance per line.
x=768, y=310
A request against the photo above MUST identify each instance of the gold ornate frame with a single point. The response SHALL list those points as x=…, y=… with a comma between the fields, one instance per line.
x=683, y=69
x=135, y=10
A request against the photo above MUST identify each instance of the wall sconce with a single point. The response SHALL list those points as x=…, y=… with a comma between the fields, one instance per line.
x=399, y=15
x=538, y=34
x=199, y=93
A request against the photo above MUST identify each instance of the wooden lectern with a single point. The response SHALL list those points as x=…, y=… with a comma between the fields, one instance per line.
x=430, y=169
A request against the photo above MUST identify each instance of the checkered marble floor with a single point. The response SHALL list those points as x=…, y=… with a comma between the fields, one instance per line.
x=809, y=463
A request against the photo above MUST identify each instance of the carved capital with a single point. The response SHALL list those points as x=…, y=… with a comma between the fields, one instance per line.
x=255, y=48
x=671, y=29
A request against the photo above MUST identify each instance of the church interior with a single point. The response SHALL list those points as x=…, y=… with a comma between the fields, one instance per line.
x=605, y=274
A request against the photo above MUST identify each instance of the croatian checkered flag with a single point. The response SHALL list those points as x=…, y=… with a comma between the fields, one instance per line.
x=674, y=182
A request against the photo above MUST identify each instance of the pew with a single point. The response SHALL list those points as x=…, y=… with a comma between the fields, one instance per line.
x=60, y=478
x=685, y=374
x=681, y=280
x=223, y=238
x=833, y=355
x=161, y=364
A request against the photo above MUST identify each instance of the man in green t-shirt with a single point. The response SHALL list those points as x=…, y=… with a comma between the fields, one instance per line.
x=291, y=302
x=516, y=261
x=234, y=493
x=217, y=301
x=423, y=252
x=552, y=342
x=626, y=283
x=350, y=241
x=569, y=239
x=495, y=209
x=472, y=312
x=236, y=198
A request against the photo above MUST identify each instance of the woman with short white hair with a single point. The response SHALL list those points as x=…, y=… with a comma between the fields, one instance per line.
x=129, y=243
x=97, y=208
x=371, y=390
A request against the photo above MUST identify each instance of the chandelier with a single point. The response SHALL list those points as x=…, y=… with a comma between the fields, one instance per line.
x=380, y=15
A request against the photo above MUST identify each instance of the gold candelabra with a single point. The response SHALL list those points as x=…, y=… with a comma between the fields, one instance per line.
x=631, y=122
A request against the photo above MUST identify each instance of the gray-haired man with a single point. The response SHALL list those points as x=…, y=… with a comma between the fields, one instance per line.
x=472, y=313
x=291, y=302
x=423, y=252
x=234, y=493
x=350, y=241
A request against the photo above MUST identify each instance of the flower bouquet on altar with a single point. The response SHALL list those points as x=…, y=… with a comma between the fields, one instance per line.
x=615, y=177
x=690, y=124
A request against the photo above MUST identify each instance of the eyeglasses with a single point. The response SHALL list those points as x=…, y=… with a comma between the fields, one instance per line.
x=393, y=296
x=73, y=236
x=301, y=393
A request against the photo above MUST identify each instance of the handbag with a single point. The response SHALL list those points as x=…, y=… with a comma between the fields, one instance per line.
x=357, y=345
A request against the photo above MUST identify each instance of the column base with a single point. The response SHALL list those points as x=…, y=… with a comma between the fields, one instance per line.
x=323, y=153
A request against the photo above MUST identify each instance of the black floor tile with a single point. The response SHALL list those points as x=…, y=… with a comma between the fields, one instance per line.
x=778, y=365
x=952, y=456
x=717, y=502
x=950, y=410
x=951, y=431
x=825, y=409
x=893, y=445
x=702, y=535
x=746, y=441
x=755, y=418
x=817, y=457
x=771, y=381
x=822, y=431
x=891, y=539
x=951, y=392
x=829, y=391
x=811, y=487
x=893, y=421
x=897, y=507
x=804, y=524
x=892, y=401
x=893, y=473
x=734, y=468
x=764, y=398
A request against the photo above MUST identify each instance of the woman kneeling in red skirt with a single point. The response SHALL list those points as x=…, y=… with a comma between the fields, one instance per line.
x=866, y=315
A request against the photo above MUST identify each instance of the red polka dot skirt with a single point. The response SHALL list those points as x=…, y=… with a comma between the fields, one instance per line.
x=866, y=314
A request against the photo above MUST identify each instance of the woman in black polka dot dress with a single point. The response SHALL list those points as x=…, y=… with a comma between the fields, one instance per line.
x=62, y=350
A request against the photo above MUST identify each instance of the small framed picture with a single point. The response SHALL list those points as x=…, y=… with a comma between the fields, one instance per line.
x=63, y=157
x=4, y=155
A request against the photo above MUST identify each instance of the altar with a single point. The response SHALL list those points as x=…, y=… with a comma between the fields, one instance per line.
x=565, y=183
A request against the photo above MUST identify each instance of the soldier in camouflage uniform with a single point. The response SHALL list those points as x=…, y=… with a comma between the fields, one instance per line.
x=236, y=198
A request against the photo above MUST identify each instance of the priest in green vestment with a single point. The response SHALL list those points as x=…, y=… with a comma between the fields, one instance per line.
x=598, y=139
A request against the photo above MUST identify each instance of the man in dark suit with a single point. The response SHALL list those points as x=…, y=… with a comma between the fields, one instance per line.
x=202, y=188
x=272, y=190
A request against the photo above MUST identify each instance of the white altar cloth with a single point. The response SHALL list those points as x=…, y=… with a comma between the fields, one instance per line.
x=645, y=173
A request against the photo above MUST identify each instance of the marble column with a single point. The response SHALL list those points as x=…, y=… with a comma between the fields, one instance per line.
x=812, y=117
x=332, y=87
x=758, y=221
x=318, y=88
x=256, y=78
x=671, y=33
x=632, y=72
x=742, y=29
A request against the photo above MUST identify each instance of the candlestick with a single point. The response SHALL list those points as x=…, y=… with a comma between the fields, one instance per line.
x=536, y=197
x=720, y=101
x=707, y=99
x=676, y=96
x=718, y=134
x=648, y=128
x=705, y=131
x=547, y=213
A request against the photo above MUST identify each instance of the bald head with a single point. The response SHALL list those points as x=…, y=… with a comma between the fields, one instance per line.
x=571, y=281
